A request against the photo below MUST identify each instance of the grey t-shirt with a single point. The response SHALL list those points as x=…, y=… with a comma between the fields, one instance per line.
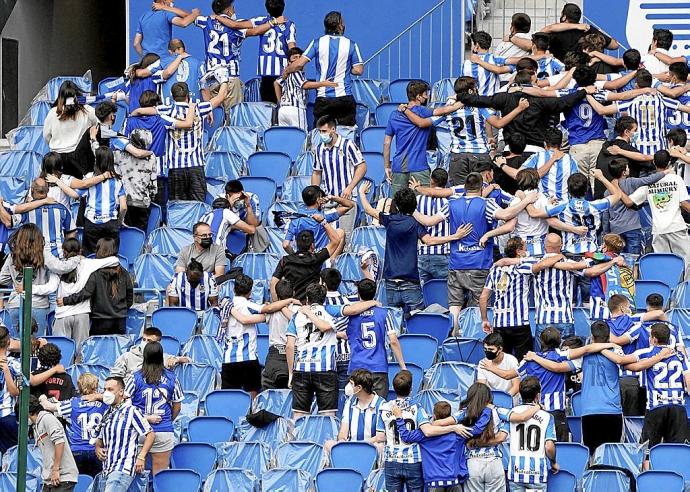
x=49, y=433
x=131, y=361
x=621, y=218
x=210, y=258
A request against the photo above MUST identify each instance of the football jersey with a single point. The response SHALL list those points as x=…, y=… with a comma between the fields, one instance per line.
x=676, y=118
x=398, y=451
x=645, y=333
x=273, y=47
x=622, y=325
x=510, y=286
x=222, y=44
x=486, y=451
x=366, y=334
x=555, y=182
x=578, y=212
x=650, y=112
x=528, y=462
x=488, y=83
x=314, y=349
x=468, y=129
x=530, y=229
x=664, y=380
x=83, y=418
x=238, y=339
x=582, y=122
x=6, y=399
x=155, y=399
x=552, y=383
x=196, y=298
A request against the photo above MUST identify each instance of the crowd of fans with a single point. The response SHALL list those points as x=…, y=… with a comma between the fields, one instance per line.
x=564, y=165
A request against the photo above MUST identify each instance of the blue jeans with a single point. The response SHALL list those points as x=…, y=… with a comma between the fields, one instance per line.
x=633, y=242
x=432, y=267
x=343, y=369
x=404, y=294
x=403, y=474
x=39, y=314
x=118, y=482
x=566, y=329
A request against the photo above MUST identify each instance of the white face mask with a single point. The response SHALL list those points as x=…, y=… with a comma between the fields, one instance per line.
x=108, y=397
x=349, y=389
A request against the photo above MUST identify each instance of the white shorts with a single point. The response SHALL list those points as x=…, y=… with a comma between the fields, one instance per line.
x=163, y=442
x=292, y=116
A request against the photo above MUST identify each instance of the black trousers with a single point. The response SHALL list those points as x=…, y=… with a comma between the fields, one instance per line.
x=114, y=326
x=600, y=429
x=343, y=109
x=561, y=424
x=267, y=90
x=93, y=232
x=517, y=340
x=138, y=217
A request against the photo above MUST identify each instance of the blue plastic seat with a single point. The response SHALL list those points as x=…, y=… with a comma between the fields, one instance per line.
x=8, y=481
x=502, y=399
x=210, y=429
x=645, y=287
x=171, y=345
x=362, y=115
x=210, y=127
x=169, y=240
x=34, y=463
x=287, y=139
x=178, y=322
x=455, y=376
x=316, y=428
x=257, y=265
x=224, y=164
x=384, y=112
x=307, y=456
x=375, y=167
x=183, y=214
x=257, y=115
x=273, y=165
x=273, y=434
x=605, y=481
x=264, y=188
x=373, y=237
x=196, y=456
x=576, y=403
x=462, y=350
x=262, y=346
x=20, y=163
x=397, y=91
x=278, y=401
x=155, y=216
x=664, y=267
x=206, y=348
x=671, y=457
x=231, y=480
x=304, y=164
x=572, y=457
x=177, y=479
x=154, y=271
x=76, y=370
x=656, y=481
x=338, y=479
x=38, y=112
x=369, y=92
x=575, y=427
x=83, y=483
x=562, y=481
x=14, y=189
x=197, y=378
x=419, y=350
x=28, y=138
x=436, y=325
x=442, y=90
x=292, y=188
x=629, y=456
x=285, y=479
x=358, y=456
x=240, y=140
x=131, y=244
x=252, y=456
x=252, y=90
x=232, y=404
x=371, y=139
x=67, y=348
x=417, y=375
x=103, y=349
x=435, y=292
x=429, y=397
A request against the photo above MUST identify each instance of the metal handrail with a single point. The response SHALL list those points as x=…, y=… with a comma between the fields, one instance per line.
x=589, y=21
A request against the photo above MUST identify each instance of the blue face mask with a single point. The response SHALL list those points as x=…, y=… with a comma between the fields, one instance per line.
x=326, y=138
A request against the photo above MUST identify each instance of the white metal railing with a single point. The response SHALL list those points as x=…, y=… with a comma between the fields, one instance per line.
x=621, y=47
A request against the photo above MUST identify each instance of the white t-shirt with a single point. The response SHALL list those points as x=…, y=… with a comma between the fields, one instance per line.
x=653, y=64
x=58, y=195
x=664, y=199
x=277, y=326
x=506, y=49
x=529, y=226
x=494, y=382
x=63, y=136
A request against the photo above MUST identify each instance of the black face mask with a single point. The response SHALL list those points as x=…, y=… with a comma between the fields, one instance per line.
x=206, y=243
x=490, y=355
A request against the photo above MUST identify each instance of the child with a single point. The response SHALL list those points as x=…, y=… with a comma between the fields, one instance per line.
x=10, y=369
x=194, y=288
x=275, y=374
x=292, y=94
x=50, y=378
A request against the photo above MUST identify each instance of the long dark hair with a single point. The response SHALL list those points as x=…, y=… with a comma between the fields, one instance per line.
x=478, y=397
x=106, y=247
x=153, y=367
x=147, y=59
x=105, y=161
x=70, y=249
x=67, y=103
x=52, y=164
x=26, y=246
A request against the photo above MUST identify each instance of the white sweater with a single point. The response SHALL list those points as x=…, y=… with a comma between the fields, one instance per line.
x=64, y=136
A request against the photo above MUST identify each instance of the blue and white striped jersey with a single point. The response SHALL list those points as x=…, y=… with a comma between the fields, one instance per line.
x=238, y=340
x=578, y=212
x=488, y=83
x=6, y=400
x=434, y=206
x=552, y=383
x=195, y=298
x=678, y=119
x=155, y=399
x=487, y=451
x=83, y=417
x=528, y=462
x=222, y=44
x=361, y=422
x=555, y=182
x=103, y=200
x=553, y=295
x=510, y=285
x=184, y=147
x=337, y=165
x=398, y=451
x=55, y=221
x=645, y=333
x=468, y=129
x=548, y=67
x=120, y=435
x=293, y=93
x=650, y=112
x=314, y=349
x=665, y=380
x=334, y=57
x=532, y=230
x=626, y=325
x=273, y=47
x=220, y=220
x=342, y=353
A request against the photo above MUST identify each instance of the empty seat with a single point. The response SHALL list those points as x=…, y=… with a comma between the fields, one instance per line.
x=420, y=350
x=435, y=292
x=306, y=456
x=232, y=404
x=103, y=349
x=198, y=378
x=184, y=214
x=232, y=480
x=178, y=322
x=451, y=376
x=154, y=271
x=206, y=348
x=210, y=429
x=240, y=140
x=253, y=456
x=316, y=428
x=355, y=455
x=224, y=164
x=196, y=456
x=573, y=457
x=177, y=479
x=169, y=240
x=257, y=115
x=384, y=112
x=285, y=479
x=338, y=479
x=664, y=267
x=273, y=165
x=433, y=324
x=287, y=139
x=375, y=167
x=462, y=350
x=397, y=91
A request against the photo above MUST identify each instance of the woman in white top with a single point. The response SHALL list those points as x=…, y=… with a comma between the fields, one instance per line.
x=61, y=186
x=65, y=126
x=73, y=321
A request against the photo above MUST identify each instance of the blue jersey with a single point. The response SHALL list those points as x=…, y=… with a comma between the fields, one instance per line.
x=552, y=383
x=189, y=71
x=644, y=330
x=222, y=44
x=54, y=221
x=366, y=334
x=397, y=450
x=6, y=399
x=676, y=118
x=600, y=387
x=83, y=417
x=486, y=451
x=410, y=140
x=135, y=88
x=555, y=182
x=103, y=200
x=361, y=422
x=664, y=380
x=156, y=125
x=582, y=122
x=308, y=224
x=156, y=30
x=488, y=82
x=548, y=67
x=334, y=57
x=467, y=254
x=622, y=325
x=468, y=129
x=273, y=47
x=578, y=212
x=156, y=399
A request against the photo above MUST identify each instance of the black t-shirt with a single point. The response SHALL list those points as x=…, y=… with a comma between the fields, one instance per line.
x=301, y=269
x=636, y=168
x=507, y=183
x=563, y=42
x=58, y=386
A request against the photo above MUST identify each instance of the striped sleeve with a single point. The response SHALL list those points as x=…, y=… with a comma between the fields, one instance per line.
x=130, y=385
x=318, y=166
x=490, y=279
x=178, y=394
x=491, y=209
x=140, y=424
x=356, y=56
x=201, y=21
x=390, y=323
x=669, y=103
x=557, y=209
x=292, y=34
x=600, y=205
x=204, y=108
x=353, y=153
x=64, y=409
x=311, y=52
x=299, y=77
x=212, y=286
x=550, y=429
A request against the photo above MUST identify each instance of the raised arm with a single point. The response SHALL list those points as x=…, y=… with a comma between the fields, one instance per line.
x=643, y=364
x=608, y=59
x=506, y=228
x=368, y=209
x=501, y=122
x=490, y=66
x=511, y=212
x=596, y=270
x=601, y=109
x=501, y=373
